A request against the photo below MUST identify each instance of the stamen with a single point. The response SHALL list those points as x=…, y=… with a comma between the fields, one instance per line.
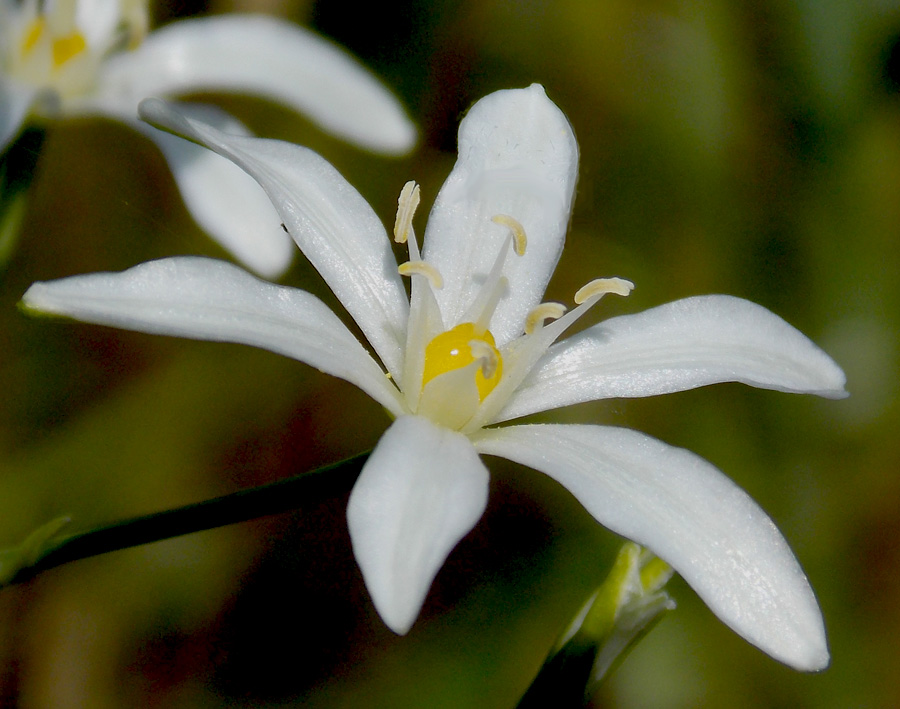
x=602, y=286
x=406, y=208
x=422, y=268
x=487, y=355
x=482, y=310
x=490, y=305
x=520, y=241
x=545, y=311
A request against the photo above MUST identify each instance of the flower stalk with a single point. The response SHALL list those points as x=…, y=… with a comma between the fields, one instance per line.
x=45, y=548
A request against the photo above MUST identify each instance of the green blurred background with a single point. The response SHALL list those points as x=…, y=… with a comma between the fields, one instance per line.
x=743, y=148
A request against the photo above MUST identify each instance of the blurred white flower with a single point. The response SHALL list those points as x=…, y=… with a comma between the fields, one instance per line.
x=94, y=57
x=472, y=348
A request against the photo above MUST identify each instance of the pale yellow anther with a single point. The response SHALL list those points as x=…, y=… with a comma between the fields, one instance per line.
x=487, y=356
x=545, y=311
x=602, y=286
x=422, y=268
x=406, y=208
x=520, y=241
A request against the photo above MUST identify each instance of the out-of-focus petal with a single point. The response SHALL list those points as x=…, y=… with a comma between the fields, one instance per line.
x=224, y=200
x=262, y=56
x=517, y=157
x=422, y=489
x=205, y=299
x=97, y=20
x=690, y=515
x=15, y=102
x=681, y=345
x=330, y=221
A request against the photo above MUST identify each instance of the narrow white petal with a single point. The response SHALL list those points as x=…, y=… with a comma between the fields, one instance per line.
x=15, y=102
x=333, y=225
x=421, y=491
x=205, y=299
x=517, y=157
x=692, y=516
x=267, y=57
x=681, y=345
x=226, y=202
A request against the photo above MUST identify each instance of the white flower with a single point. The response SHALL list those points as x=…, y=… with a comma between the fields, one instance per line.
x=83, y=57
x=471, y=349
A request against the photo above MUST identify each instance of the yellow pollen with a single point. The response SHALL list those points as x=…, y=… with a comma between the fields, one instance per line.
x=422, y=268
x=406, y=208
x=545, y=311
x=602, y=286
x=35, y=30
x=66, y=48
x=520, y=241
x=459, y=348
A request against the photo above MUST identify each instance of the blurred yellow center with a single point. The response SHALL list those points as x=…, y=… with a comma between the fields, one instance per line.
x=62, y=49
x=461, y=347
x=65, y=48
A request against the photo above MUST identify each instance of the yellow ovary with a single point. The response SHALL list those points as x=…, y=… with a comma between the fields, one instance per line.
x=453, y=350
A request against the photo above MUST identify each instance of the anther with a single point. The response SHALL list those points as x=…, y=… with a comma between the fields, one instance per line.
x=602, y=286
x=487, y=356
x=520, y=241
x=422, y=268
x=545, y=311
x=406, y=208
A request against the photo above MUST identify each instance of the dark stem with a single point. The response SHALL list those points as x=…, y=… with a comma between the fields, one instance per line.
x=270, y=499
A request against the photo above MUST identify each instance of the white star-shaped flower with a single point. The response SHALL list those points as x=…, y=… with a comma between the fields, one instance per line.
x=474, y=347
x=94, y=57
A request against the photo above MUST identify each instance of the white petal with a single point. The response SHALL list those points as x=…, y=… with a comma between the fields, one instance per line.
x=421, y=491
x=225, y=201
x=205, y=299
x=518, y=157
x=692, y=516
x=97, y=20
x=333, y=225
x=15, y=102
x=681, y=345
x=262, y=56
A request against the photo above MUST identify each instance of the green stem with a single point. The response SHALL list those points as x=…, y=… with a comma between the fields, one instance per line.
x=273, y=498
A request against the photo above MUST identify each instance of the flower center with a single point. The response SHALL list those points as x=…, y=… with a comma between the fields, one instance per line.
x=48, y=46
x=460, y=347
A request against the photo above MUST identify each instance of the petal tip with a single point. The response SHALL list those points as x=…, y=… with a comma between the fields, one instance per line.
x=809, y=656
x=33, y=303
x=398, y=620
